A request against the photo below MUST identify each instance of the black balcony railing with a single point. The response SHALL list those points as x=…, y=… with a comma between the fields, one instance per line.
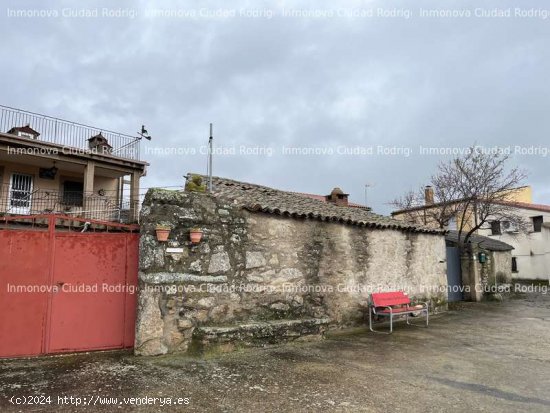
x=43, y=201
x=68, y=134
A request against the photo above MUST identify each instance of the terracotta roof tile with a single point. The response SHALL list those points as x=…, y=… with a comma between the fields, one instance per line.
x=273, y=201
x=526, y=205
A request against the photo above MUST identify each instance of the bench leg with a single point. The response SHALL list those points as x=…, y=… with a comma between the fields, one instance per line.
x=376, y=331
x=426, y=312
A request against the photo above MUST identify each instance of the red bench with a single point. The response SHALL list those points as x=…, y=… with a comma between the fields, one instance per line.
x=392, y=304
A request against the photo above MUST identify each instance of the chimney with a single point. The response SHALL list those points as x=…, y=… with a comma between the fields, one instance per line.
x=337, y=197
x=428, y=195
x=99, y=144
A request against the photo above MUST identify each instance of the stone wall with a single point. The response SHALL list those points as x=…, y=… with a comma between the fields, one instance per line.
x=486, y=279
x=256, y=267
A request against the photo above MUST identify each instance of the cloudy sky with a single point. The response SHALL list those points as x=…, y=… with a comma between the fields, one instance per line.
x=304, y=96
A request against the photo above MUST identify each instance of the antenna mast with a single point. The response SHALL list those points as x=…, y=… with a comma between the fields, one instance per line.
x=210, y=147
x=367, y=186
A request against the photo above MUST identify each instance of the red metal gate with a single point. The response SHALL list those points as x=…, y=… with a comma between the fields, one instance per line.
x=62, y=290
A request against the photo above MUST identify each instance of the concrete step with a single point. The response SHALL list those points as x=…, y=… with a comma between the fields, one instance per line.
x=212, y=339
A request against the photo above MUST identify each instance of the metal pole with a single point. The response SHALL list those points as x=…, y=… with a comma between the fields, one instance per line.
x=210, y=148
x=367, y=186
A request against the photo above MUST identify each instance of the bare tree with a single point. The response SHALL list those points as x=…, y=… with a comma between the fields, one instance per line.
x=475, y=189
x=412, y=205
x=485, y=186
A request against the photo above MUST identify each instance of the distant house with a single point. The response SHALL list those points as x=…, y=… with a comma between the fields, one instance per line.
x=531, y=253
x=49, y=165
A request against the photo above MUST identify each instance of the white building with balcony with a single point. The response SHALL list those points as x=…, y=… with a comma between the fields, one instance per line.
x=49, y=165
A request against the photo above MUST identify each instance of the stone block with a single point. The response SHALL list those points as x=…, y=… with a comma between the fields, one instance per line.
x=219, y=263
x=255, y=259
x=184, y=323
x=195, y=266
x=149, y=325
x=206, y=302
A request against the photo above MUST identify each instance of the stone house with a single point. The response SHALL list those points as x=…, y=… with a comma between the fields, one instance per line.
x=271, y=266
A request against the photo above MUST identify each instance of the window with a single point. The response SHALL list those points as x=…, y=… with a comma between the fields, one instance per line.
x=508, y=226
x=537, y=223
x=20, y=194
x=514, y=264
x=73, y=193
x=495, y=228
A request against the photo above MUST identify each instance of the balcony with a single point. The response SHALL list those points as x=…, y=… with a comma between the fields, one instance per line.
x=66, y=134
x=26, y=201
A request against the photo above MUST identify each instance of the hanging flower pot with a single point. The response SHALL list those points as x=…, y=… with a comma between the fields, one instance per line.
x=163, y=231
x=196, y=235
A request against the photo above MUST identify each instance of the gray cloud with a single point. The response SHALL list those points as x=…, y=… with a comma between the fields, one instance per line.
x=294, y=82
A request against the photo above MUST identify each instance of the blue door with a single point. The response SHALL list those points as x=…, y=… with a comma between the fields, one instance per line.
x=454, y=275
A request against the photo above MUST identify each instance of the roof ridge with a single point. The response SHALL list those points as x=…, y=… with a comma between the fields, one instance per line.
x=287, y=203
x=232, y=180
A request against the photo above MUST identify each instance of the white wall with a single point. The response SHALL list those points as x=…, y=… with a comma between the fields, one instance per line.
x=532, y=250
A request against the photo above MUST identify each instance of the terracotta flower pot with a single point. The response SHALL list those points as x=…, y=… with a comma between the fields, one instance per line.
x=196, y=235
x=162, y=234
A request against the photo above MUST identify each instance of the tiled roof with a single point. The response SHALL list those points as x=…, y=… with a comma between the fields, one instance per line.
x=24, y=129
x=273, y=201
x=487, y=243
x=526, y=205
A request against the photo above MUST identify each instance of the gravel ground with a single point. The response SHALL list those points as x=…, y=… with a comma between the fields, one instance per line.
x=488, y=357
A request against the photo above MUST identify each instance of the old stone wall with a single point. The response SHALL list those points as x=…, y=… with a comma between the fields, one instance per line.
x=486, y=279
x=256, y=267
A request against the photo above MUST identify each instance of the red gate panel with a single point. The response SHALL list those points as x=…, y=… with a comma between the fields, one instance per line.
x=87, y=311
x=86, y=297
x=24, y=265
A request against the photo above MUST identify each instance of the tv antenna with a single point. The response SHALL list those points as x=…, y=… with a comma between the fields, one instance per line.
x=367, y=186
x=210, y=151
